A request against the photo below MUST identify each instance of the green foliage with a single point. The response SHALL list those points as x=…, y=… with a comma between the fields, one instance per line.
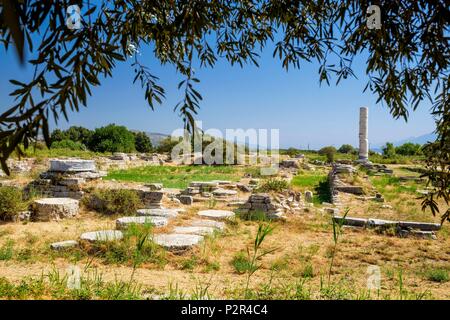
x=142, y=142
x=6, y=251
x=241, y=262
x=409, y=149
x=74, y=133
x=346, y=148
x=11, y=202
x=68, y=144
x=112, y=138
x=167, y=144
x=329, y=152
x=389, y=150
x=180, y=176
x=273, y=185
x=438, y=275
x=113, y=201
x=54, y=286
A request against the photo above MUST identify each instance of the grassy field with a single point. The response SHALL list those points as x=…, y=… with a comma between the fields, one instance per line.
x=315, y=181
x=180, y=176
x=42, y=153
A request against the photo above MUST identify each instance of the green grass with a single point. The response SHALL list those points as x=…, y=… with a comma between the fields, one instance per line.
x=181, y=176
x=241, y=263
x=6, y=251
x=308, y=180
x=314, y=181
x=54, y=286
x=42, y=153
x=437, y=275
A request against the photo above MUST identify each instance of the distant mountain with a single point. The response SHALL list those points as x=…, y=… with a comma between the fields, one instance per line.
x=156, y=138
x=420, y=140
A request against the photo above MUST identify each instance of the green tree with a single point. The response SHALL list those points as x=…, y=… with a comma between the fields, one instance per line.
x=409, y=149
x=57, y=135
x=388, y=150
x=142, y=142
x=167, y=144
x=406, y=60
x=79, y=134
x=112, y=138
x=346, y=148
x=329, y=152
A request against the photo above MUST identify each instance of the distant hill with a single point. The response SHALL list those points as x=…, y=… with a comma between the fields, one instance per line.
x=420, y=140
x=156, y=138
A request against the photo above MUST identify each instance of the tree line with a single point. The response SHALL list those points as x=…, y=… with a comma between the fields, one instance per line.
x=110, y=138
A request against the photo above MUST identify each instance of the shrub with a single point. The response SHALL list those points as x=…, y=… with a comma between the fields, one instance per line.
x=409, y=149
x=68, y=144
x=389, y=150
x=241, y=263
x=438, y=275
x=167, y=144
x=346, y=148
x=329, y=152
x=11, y=202
x=114, y=201
x=74, y=133
x=112, y=138
x=142, y=142
x=275, y=185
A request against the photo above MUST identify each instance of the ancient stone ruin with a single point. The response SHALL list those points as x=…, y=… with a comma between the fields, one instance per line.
x=401, y=228
x=54, y=209
x=261, y=202
x=204, y=190
x=363, y=134
x=338, y=185
x=66, y=178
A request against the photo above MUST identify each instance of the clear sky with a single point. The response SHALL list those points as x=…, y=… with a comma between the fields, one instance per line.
x=267, y=97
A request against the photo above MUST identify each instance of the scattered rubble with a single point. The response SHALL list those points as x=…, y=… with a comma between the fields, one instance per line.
x=402, y=228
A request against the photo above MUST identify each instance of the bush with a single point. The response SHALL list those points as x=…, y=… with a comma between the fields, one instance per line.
x=142, y=142
x=389, y=150
x=167, y=144
x=68, y=144
x=409, y=149
x=112, y=138
x=241, y=263
x=438, y=275
x=74, y=133
x=329, y=152
x=275, y=185
x=114, y=201
x=346, y=148
x=11, y=202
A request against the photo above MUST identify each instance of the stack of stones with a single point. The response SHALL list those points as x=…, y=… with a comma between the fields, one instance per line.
x=152, y=199
x=65, y=178
x=377, y=169
x=290, y=163
x=338, y=185
x=219, y=189
x=262, y=202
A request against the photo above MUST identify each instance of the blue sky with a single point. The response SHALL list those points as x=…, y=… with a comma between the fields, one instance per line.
x=267, y=97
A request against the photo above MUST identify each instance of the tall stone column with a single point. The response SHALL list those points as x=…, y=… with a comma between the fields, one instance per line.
x=363, y=134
